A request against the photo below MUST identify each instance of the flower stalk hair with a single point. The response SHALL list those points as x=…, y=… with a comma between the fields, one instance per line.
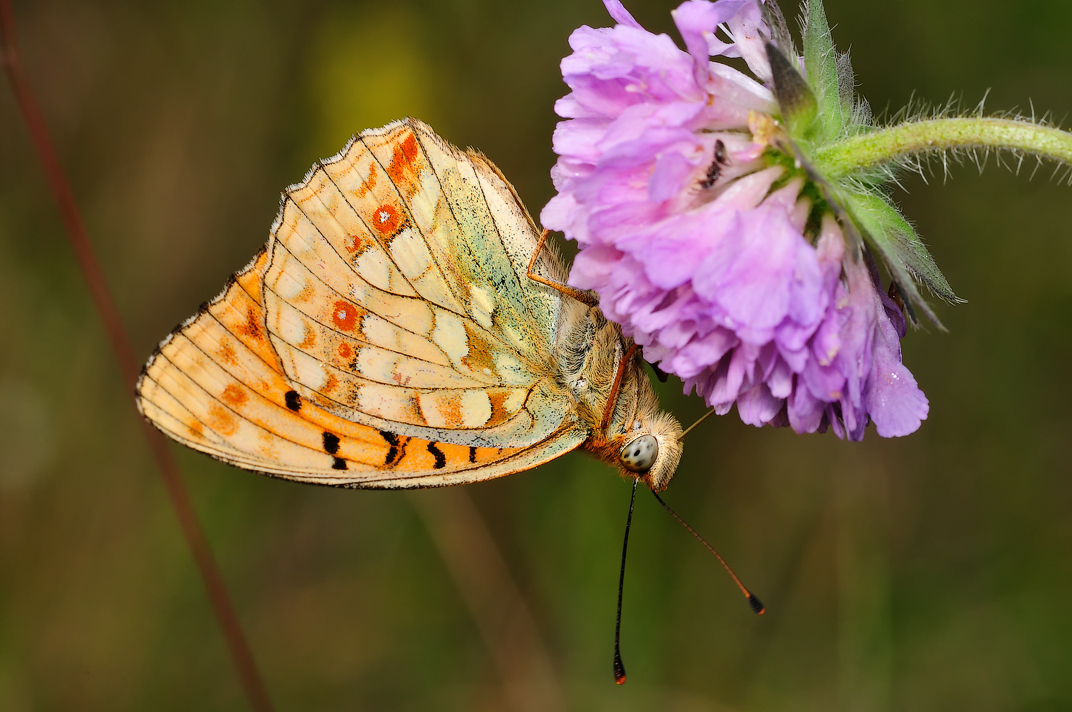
x=737, y=223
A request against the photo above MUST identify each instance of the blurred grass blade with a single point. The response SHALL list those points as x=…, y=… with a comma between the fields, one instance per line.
x=496, y=604
x=252, y=684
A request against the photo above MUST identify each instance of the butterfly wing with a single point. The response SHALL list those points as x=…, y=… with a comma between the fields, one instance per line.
x=387, y=336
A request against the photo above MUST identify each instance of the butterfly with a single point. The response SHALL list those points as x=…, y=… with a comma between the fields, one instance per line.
x=406, y=326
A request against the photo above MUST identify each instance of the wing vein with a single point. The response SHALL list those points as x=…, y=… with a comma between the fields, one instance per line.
x=460, y=299
x=526, y=311
x=362, y=341
x=177, y=400
x=368, y=228
x=214, y=399
x=479, y=264
x=490, y=336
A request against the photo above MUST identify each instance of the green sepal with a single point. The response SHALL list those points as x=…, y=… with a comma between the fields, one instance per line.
x=905, y=255
x=821, y=65
x=795, y=98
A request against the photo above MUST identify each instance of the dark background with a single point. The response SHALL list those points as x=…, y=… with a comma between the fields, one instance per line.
x=932, y=572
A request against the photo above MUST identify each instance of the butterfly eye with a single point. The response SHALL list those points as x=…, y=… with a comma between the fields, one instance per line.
x=639, y=454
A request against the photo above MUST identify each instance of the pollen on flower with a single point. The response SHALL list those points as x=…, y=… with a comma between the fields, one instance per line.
x=764, y=128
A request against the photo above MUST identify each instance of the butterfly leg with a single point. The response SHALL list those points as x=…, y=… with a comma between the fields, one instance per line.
x=612, y=399
x=581, y=295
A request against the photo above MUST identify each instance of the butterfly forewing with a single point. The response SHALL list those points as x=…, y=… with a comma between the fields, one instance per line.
x=498, y=239
x=386, y=337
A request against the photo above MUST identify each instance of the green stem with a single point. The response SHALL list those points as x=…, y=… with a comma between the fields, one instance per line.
x=917, y=137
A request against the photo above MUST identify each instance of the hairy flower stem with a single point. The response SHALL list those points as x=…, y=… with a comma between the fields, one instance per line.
x=921, y=137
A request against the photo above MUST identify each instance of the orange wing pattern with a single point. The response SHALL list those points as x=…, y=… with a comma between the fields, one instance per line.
x=385, y=337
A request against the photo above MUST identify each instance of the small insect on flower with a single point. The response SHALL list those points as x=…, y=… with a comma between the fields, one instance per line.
x=708, y=235
x=715, y=168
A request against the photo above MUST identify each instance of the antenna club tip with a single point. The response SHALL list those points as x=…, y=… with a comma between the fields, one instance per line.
x=756, y=604
x=619, y=671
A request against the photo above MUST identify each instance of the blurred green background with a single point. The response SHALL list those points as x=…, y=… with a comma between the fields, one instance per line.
x=932, y=572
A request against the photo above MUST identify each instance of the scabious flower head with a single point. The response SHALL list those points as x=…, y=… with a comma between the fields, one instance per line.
x=709, y=237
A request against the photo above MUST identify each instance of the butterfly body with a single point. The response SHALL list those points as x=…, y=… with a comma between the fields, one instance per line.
x=389, y=335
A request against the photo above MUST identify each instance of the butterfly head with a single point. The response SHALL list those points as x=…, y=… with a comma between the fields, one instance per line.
x=652, y=449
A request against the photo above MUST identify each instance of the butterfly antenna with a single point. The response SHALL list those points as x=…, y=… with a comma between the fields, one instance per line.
x=619, y=667
x=753, y=600
x=681, y=437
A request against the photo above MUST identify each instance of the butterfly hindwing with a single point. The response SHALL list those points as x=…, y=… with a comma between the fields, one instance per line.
x=406, y=353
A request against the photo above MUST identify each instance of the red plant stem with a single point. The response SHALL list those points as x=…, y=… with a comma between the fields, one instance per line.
x=253, y=685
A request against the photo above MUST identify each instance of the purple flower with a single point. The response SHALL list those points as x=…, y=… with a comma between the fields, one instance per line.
x=702, y=238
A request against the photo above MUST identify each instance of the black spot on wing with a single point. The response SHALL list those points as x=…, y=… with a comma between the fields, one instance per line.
x=394, y=453
x=338, y=464
x=472, y=454
x=440, y=458
x=331, y=443
x=293, y=400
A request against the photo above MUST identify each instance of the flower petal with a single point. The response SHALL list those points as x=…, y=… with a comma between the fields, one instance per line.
x=620, y=14
x=895, y=402
x=697, y=20
x=702, y=246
